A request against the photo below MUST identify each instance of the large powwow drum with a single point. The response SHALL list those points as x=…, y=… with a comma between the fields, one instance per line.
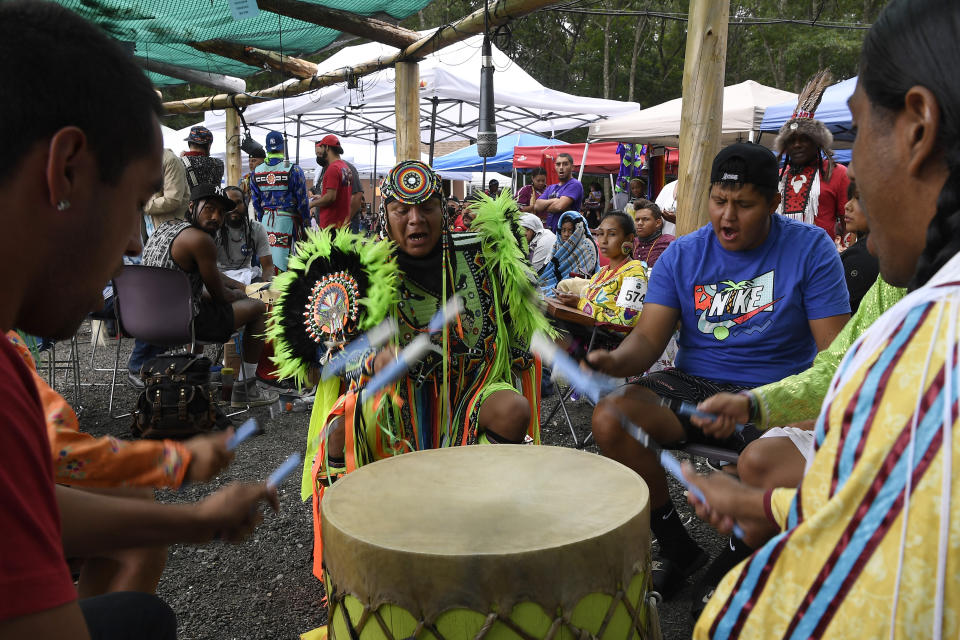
x=494, y=542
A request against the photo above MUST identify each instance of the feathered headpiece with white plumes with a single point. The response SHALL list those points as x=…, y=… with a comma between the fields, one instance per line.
x=802, y=121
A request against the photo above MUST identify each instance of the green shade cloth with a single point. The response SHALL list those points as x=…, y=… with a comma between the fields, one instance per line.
x=162, y=29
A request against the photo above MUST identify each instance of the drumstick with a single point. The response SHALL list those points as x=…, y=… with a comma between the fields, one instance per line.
x=373, y=339
x=281, y=472
x=690, y=409
x=246, y=430
x=411, y=355
x=590, y=385
x=379, y=335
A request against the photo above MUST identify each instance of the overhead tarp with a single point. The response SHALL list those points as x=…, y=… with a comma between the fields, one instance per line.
x=833, y=112
x=743, y=108
x=161, y=30
x=449, y=78
x=602, y=157
x=467, y=159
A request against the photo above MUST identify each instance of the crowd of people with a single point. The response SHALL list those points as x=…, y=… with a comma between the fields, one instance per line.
x=833, y=374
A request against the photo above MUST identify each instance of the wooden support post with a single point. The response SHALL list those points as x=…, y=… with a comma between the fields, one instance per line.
x=408, y=110
x=232, y=133
x=501, y=12
x=702, y=111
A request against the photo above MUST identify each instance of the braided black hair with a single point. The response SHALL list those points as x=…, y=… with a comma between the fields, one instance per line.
x=913, y=42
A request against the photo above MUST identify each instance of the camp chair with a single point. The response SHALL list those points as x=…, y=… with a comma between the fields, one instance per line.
x=155, y=304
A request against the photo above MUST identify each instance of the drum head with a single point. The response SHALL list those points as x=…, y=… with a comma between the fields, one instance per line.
x=470, y=526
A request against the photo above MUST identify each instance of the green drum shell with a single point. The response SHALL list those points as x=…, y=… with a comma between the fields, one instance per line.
x=488, y=542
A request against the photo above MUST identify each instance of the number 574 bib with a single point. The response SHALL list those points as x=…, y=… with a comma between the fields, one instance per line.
x=632, y=293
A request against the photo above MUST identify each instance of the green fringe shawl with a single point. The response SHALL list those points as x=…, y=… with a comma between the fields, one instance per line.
x=377, y=259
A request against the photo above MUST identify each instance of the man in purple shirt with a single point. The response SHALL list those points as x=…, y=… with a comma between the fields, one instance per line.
x=566, y=195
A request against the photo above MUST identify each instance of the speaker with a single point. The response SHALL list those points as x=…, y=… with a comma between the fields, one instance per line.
x=487, y=128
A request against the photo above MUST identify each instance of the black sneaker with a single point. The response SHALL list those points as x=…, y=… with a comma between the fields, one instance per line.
x=701, y=596
x=734, y=553
x=669, y=576
x=135, y=381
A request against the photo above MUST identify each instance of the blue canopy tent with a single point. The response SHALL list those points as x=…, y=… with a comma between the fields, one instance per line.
x=466, y=159
x=832, y=111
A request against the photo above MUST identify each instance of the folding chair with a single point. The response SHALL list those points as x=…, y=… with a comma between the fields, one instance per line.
x=155, y=305
x=601, y=333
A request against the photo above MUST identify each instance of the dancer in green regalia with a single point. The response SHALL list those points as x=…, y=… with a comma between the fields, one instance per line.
x=480, y=384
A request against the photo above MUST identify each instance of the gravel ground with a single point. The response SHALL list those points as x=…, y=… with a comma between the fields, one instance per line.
x=264, y=588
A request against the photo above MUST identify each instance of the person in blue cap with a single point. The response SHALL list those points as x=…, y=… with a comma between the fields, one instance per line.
x=278, y=191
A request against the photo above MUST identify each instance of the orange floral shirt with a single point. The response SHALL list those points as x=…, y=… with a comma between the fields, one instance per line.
x=81, y=460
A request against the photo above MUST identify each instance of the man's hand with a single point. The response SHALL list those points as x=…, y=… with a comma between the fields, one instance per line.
x=387, y=355
x=729, y=501
x=208, y=456
x=730, y=409
x=601, y=360
x=232, y=513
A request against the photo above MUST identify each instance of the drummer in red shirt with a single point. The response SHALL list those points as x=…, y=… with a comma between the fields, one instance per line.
x=332, y=207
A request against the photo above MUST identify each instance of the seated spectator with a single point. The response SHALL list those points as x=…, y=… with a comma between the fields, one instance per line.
x=593, y=205
x=528, y=194
x=636, y=189
x=651, y=241
x=493, y=189
x=602, y=297
x=859, y=267
x=574, y=253
x=757, y=295
x=188, y=246
x=240, y=242
x=83, y=169
x=540, y=241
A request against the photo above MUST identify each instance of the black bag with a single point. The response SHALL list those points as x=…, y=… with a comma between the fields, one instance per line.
x=178, y=401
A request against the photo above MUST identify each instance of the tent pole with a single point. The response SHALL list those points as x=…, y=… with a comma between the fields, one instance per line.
x=373, y=177
x=583, y=160
x=483, y=180
x=433, y=127
x=299, y=116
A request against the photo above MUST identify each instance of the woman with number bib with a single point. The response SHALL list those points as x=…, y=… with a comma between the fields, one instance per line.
x=615, y=293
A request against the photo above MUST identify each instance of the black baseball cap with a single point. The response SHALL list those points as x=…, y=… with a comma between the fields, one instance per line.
x=204, y=191
x=746, y=163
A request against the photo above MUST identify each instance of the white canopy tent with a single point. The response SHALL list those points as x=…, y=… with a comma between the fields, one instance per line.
x=449, y=84
x=743, y=108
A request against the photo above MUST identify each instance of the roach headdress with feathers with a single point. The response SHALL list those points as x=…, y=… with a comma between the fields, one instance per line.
x=802, y=121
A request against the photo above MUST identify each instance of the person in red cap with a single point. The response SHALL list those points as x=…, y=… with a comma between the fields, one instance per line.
x=332, y=207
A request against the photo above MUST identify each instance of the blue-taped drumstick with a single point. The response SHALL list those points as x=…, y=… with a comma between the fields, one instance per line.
x=446, y=314
x=281, y=472
x=373, y=339
x=245, y=430
x=690, y=409
x=406, y=359
x=591, y=385
x=667, y=461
